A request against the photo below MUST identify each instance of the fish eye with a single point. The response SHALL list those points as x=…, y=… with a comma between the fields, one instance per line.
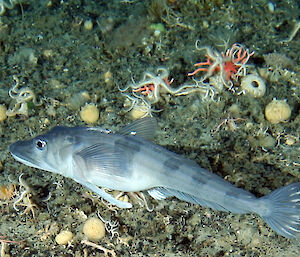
x=40, y=144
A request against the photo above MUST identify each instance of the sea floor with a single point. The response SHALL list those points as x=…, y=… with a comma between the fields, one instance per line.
x=64, y=54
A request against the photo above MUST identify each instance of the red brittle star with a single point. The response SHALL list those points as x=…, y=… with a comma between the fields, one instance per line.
x=230, y=65
x=145, y=90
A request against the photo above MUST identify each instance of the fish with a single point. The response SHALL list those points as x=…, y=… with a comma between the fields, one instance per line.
x=129, y=161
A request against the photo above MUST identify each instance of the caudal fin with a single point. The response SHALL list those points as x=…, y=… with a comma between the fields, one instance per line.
x=282, y=211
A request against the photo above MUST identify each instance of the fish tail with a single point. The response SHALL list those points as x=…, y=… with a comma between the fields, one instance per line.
x=281, y=210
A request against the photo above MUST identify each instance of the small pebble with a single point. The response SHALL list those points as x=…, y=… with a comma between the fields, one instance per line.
x=278, y=111
x=88, y=25
x=89, y=113
x=64, y=237
x=3, y=115
x=94, y=229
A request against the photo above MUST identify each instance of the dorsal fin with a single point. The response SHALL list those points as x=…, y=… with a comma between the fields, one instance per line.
x=144, y=128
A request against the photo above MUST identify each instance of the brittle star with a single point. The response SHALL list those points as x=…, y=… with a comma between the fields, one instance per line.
x=22, y=97
x=25, y=195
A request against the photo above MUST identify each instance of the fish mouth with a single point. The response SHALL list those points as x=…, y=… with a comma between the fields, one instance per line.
x=21, y=152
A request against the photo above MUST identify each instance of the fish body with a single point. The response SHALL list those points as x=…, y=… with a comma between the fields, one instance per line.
x=128, y=161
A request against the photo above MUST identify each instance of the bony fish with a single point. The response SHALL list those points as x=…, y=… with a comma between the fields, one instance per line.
x=128, y=161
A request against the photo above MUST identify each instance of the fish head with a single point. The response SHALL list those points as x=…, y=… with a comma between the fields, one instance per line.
x=51, y=151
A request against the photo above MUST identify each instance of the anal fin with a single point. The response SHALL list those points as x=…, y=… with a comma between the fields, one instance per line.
x=160, y=193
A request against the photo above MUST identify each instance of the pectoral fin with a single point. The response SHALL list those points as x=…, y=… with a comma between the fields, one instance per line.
x=100, y=160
